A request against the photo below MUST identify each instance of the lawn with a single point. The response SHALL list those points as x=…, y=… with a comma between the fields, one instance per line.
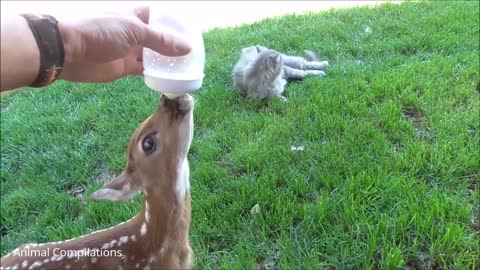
x=389, y=174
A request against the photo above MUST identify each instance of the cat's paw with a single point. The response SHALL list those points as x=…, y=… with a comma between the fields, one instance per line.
x=282, y=98
x=322, y=65
x=316, y=73
x=316, y=65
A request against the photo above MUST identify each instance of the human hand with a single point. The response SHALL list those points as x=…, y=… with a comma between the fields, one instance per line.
x=108, y=47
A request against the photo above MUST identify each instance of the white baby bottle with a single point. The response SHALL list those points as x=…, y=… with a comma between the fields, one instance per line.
x=174, y=76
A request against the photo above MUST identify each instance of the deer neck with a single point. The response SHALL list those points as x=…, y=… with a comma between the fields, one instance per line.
x=166, y=207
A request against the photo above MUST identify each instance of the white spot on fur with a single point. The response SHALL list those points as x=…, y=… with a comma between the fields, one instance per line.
x=133, y=238
x=35, y=265
x=143, y=230
x=55, y=243
x=147, y=267
x=112, y=243
x=152, y=259
x=120, y=267
x=183, y=183
x=147, y=212
x=123, y=239
x=137, y=265
x=68, y=266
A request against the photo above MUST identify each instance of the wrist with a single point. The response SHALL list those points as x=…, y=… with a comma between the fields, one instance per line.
x=71, y=43
x=50, y=46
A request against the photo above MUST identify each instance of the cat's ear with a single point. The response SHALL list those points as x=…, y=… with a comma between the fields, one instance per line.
x=278, y=60
x=261, y=49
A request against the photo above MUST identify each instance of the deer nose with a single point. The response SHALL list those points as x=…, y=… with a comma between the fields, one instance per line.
x=182, y=104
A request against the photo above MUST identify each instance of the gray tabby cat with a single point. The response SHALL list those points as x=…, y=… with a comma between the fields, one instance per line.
x=261, y=72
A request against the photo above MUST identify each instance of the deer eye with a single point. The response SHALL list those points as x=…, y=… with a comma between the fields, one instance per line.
x=148, y=144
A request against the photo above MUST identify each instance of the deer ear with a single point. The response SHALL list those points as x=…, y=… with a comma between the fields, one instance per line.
x=118, y=189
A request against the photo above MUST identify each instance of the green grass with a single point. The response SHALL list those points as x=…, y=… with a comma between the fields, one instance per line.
x=389, y=177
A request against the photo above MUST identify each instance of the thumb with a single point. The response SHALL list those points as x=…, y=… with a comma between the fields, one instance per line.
x=166, y=43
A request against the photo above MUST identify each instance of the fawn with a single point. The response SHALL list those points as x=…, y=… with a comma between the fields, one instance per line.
x=156, y=238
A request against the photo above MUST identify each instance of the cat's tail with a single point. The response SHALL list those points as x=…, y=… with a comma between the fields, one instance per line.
x=311, y=56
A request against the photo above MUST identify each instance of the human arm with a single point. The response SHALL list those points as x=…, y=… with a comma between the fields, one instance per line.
x=20, y=58
x=97, y=49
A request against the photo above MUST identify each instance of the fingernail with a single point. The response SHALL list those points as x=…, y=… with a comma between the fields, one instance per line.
x=182, y=47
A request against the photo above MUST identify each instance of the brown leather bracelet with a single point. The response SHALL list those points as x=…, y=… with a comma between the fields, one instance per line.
x=50, y=45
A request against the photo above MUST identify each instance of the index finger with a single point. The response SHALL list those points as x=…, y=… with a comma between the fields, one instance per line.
x=164, y=42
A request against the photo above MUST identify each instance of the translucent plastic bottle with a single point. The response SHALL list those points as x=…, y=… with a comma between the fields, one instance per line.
x=174, y=76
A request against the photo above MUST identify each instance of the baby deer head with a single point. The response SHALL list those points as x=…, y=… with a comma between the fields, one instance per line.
x=156, y=152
